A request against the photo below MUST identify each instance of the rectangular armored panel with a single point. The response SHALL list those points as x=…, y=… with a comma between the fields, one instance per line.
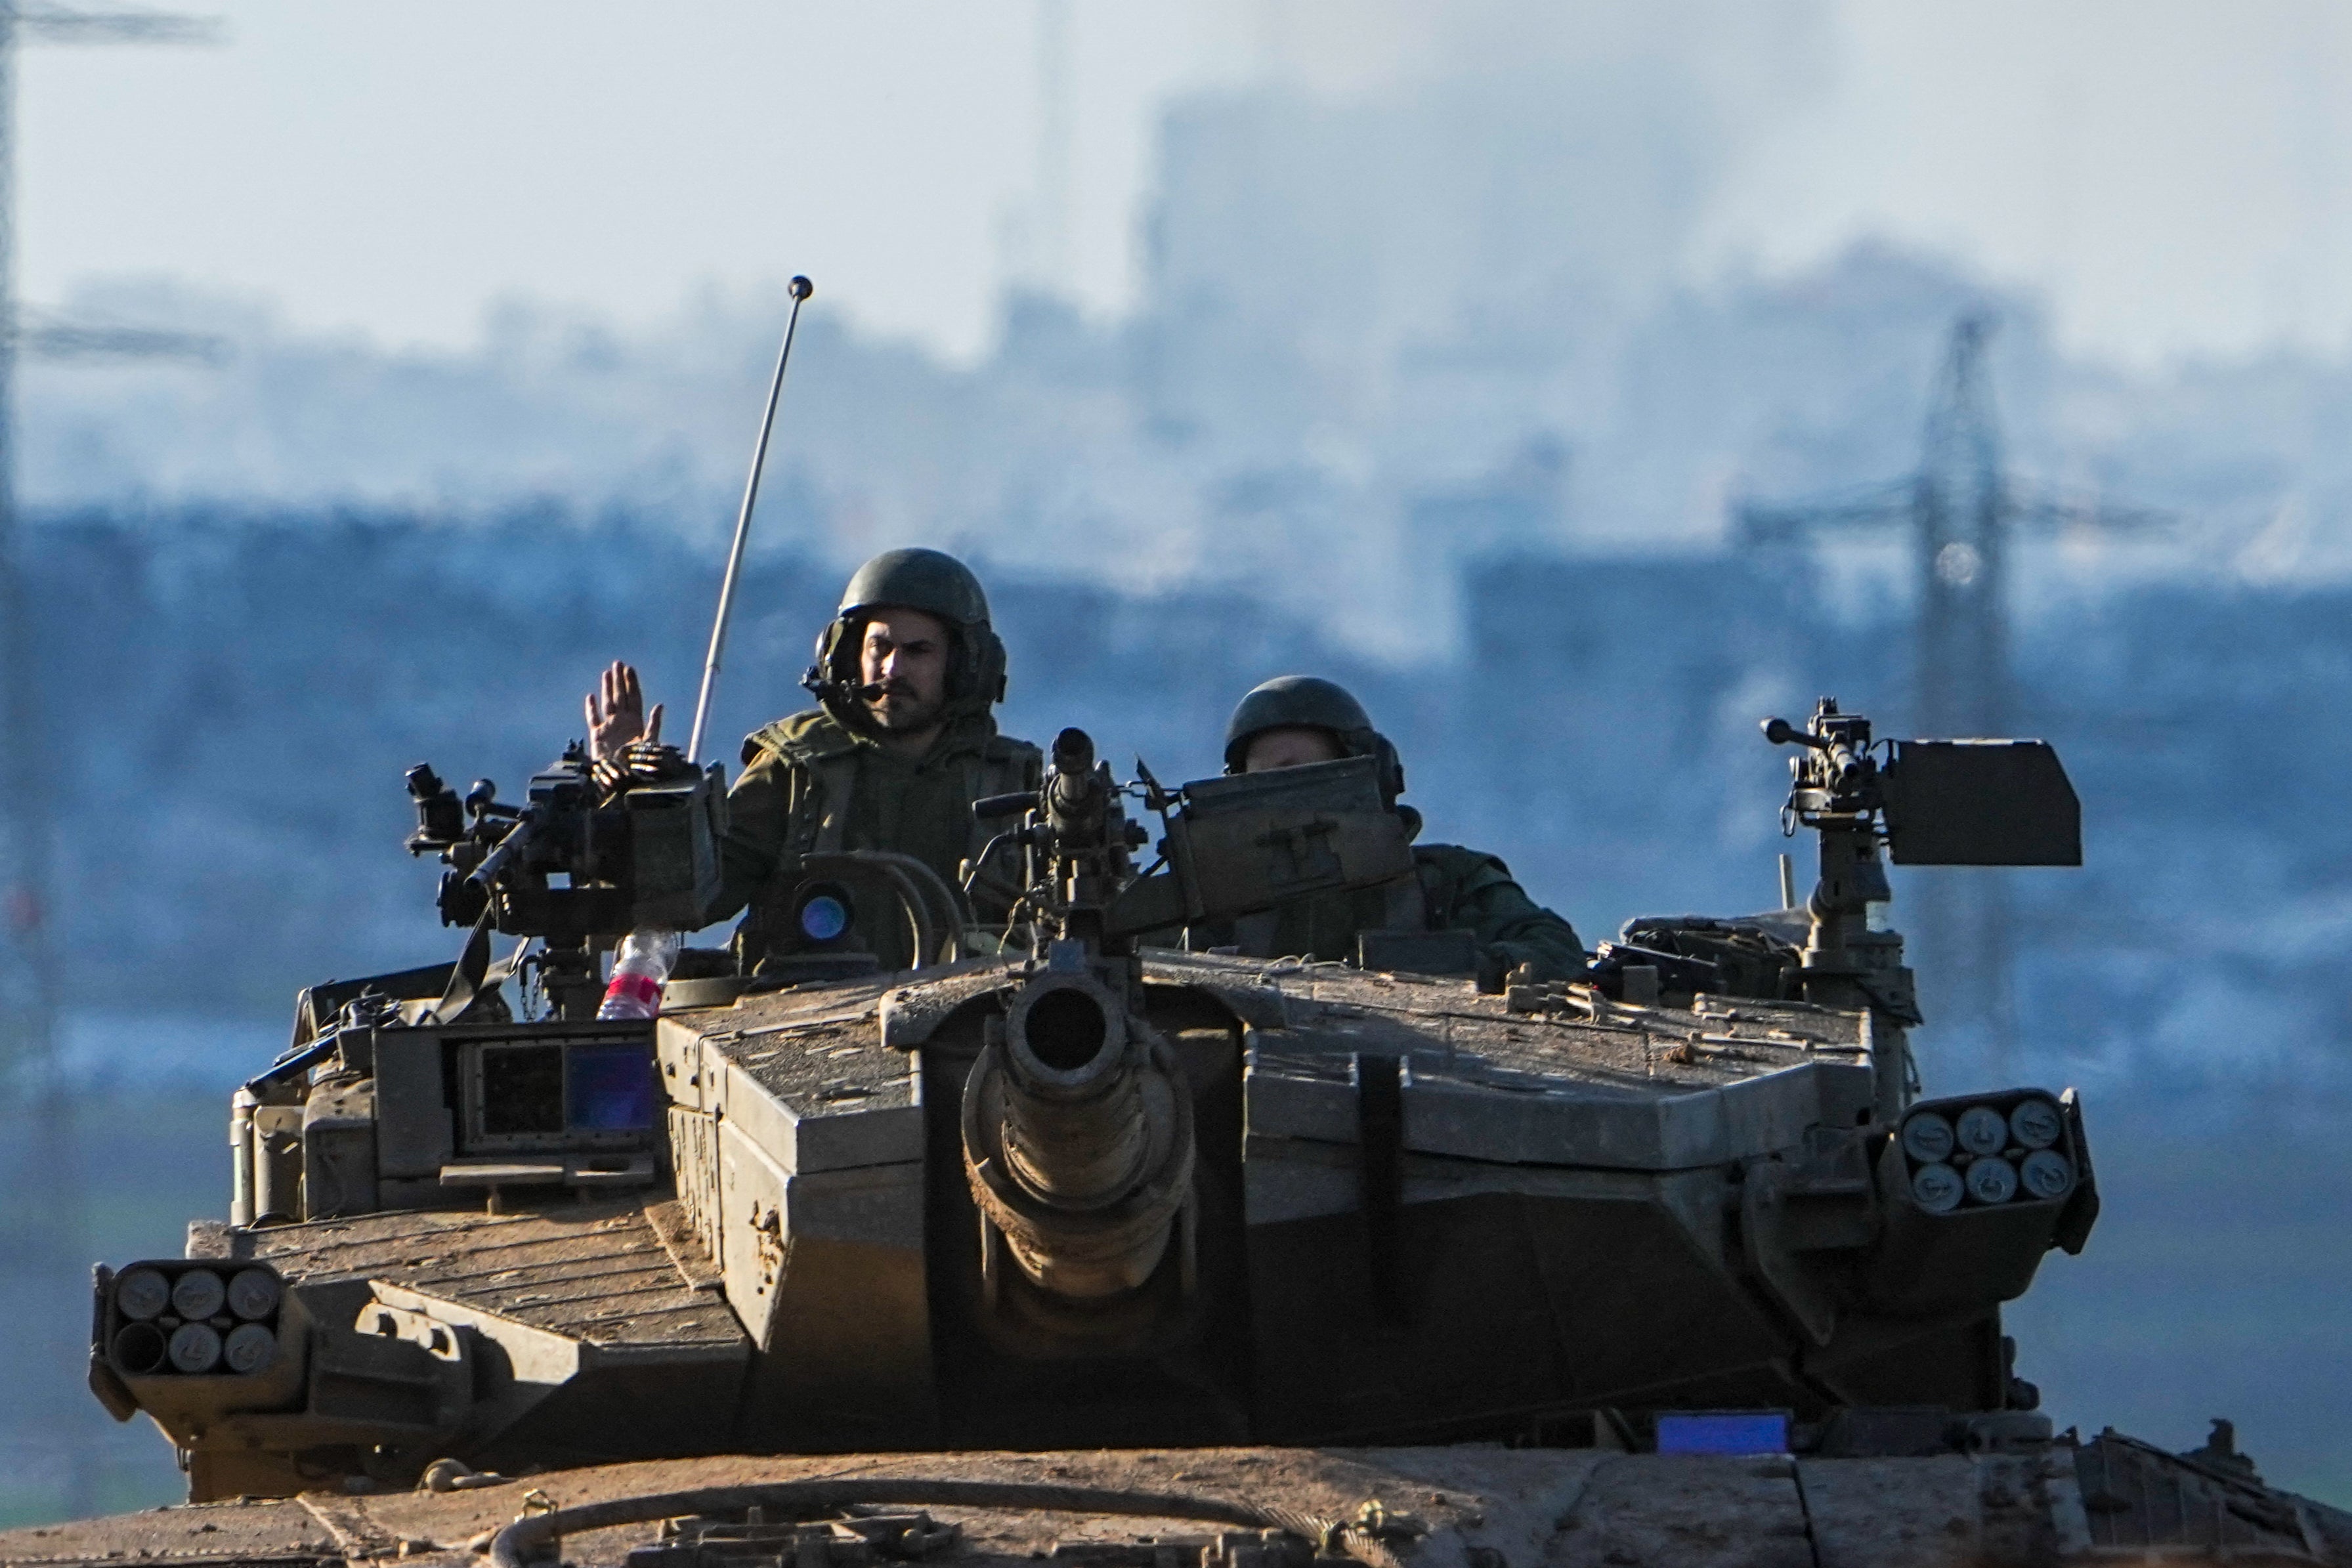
x=1347, y=784
x=1440, y=1173
x=1278, y=835
x=581, y=1088
x=338, y=1157
x=1305, y=1096
x=832, y=1261
x=678, y=1057
x=1247, y=843
x=751, y=1229
x=1980, y=802
x=1694, y=1512
x=415, y=1133
x=802, y=1073
x=1555, y=1290
x=694, y=1161
x=1922, y=1511
x=798, y=1138
x=1588, y=1082
x=674, y=832
x=277, y=1161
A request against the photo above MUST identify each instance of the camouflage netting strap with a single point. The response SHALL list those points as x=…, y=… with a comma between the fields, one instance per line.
x=472, y=969
x=527, y=1538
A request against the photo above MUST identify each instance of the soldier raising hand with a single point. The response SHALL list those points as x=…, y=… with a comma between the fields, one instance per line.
x=616, y=712
x=902, y=741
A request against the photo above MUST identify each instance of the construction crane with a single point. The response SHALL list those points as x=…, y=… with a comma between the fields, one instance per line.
x=44, y=1251
x=1963, y=512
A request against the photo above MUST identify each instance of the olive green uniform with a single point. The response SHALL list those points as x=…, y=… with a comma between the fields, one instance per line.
x=812, y=785
x=1458, y=889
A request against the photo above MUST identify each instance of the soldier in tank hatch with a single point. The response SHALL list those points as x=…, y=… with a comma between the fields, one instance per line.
x=900, y=744
x=1293, y=720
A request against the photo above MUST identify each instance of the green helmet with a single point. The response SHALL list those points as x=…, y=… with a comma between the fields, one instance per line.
x=927, y=580
x=936, y=583
x=1310, y=702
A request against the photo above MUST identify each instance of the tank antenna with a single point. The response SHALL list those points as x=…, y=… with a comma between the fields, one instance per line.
x=801, y=290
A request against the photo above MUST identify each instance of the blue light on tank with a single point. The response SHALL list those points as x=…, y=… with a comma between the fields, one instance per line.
x=823, y=918
x=1734, y=1432
x=609, y=1088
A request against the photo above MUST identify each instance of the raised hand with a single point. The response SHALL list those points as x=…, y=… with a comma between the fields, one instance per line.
x=616, y=712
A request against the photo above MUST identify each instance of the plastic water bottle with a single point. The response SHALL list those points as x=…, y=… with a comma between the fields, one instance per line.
x=644, y=962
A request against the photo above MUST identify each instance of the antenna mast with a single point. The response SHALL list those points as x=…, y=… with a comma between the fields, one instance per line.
x=802, y=289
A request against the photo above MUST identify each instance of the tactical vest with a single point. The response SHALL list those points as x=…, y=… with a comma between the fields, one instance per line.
x=823, y=758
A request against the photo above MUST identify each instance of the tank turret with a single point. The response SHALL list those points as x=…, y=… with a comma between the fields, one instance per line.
x=1063, y=1190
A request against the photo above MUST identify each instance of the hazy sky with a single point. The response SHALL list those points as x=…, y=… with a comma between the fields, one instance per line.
x=2171, y=172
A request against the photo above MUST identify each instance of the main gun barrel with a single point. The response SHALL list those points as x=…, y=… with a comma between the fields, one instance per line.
x=1078, y=1140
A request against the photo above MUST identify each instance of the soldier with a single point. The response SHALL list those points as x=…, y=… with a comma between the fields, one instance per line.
x=899, y=746
x=1292, y=720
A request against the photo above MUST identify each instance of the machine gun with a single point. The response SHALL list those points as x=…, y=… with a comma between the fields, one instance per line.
x=1077, y=1124
x=1927, y=802
x=572, y=867
x=1229, y=847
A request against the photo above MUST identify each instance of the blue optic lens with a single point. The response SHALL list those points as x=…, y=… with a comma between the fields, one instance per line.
x=824, y=917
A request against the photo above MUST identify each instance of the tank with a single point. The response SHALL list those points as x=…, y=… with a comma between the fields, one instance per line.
x=1086, y=1248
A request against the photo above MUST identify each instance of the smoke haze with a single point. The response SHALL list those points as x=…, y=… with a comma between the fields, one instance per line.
x=1428, y=347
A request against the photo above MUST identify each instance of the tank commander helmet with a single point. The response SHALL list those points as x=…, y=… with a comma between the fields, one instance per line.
x=1310, y=702
x=929, y=580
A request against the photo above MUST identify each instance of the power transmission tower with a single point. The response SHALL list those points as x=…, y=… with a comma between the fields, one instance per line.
x=44, y=1250
x=1962, y=512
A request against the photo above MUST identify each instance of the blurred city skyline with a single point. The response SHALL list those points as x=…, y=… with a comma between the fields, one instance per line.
x=1432, y=346
x=2166, y=178
x=1328, y=301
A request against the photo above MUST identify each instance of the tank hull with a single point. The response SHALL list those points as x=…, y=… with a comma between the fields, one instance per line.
x=2109, y=1500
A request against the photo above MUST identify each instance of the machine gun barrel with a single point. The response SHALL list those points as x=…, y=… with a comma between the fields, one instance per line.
x=517, y=840
x=1075, y=793
x=1843, y=765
